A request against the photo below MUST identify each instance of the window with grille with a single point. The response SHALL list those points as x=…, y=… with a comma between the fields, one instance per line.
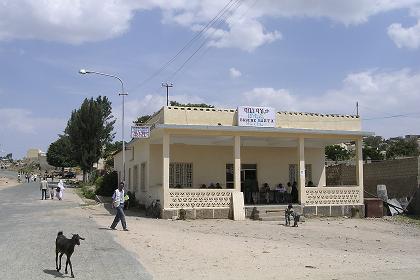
x=135, y=177
x=294, y=176
x=129, y=179
x=143, y=176
x=180, y=174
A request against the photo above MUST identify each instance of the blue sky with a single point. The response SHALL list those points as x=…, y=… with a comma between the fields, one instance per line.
x=293, y=55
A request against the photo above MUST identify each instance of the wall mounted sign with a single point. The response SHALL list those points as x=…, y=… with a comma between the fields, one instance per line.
x=256, y=116
x=140, y=131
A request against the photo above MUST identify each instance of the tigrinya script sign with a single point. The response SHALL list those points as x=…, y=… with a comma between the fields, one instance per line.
x=140, y=132
x=256, y=116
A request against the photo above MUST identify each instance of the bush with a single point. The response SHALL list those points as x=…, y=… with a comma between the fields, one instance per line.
x=88, y=191
x=106, y=184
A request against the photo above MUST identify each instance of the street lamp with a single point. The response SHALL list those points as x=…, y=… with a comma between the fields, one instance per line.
x=123, y=94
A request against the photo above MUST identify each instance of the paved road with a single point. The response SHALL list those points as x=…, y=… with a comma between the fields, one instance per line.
x=29, y=226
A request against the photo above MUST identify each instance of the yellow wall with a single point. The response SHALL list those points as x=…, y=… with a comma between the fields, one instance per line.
x=209, y=163
x=228, y=117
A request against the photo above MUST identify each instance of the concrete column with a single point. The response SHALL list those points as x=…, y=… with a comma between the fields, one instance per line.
x=301, y=183
x=237, y=163
x=359, y=166
x=147, y=171
x=165, y=179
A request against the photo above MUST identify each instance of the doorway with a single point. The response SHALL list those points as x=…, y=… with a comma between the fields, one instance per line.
x=248, y=171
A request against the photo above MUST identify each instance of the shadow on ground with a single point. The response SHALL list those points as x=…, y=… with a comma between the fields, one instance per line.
x=131, y=212
x=54, y=272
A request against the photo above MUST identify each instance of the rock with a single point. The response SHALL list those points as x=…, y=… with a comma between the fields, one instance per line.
x=310, y=266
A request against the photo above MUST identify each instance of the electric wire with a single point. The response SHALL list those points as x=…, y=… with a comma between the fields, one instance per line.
x=189, y=43
x=238, y=4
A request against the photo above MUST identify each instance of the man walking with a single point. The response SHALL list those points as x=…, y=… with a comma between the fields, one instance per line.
x=118, y=203
x=43, y=186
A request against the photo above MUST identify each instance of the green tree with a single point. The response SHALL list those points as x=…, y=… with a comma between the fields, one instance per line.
x=401, y=147
x=374, y=147
x=336, y=153
x=142, y=119
x=59, y=153
x=110, y=150
x=201, y=105
x=90, y=129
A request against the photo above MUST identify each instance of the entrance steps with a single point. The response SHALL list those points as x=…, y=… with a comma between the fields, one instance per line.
x=270, y=212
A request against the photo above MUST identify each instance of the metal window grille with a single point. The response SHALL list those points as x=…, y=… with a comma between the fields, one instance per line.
x=293, y=173
x=143, y=176
x=180, y=173
x=129, y=178
x=135, y=177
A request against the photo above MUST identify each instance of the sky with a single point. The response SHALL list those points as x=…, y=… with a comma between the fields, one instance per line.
x=292, y=55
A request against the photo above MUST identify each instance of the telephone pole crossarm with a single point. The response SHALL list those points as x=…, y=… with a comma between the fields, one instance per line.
x=167, y=85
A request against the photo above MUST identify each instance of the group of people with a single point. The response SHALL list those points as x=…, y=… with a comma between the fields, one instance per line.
x=211, y=186
x=54, y=191
x=28, y=177
x=281, y=194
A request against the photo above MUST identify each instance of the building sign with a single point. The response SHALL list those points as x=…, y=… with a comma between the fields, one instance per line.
x=140, y=131
x=256, y=116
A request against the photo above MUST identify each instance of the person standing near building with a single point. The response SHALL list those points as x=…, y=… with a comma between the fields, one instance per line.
x=289, y=192
x=295, y=193
x=118, y=204
x=43, y=186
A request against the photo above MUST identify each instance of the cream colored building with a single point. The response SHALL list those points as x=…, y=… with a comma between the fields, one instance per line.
x=189, y=147
x=32, y=154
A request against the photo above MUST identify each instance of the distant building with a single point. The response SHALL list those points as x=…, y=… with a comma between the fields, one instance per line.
x=100, y=165
x=43, y=164
x=32, y=154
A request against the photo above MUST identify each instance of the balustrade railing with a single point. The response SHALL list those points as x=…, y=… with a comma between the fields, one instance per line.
x=200, y=198
x=333, y=196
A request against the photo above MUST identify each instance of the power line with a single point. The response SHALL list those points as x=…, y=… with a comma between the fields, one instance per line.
x=408, y=115
x=189, y=43
x=238, y=4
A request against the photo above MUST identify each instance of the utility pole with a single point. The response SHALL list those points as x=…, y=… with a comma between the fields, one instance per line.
x=167, y=85
x=357, y=108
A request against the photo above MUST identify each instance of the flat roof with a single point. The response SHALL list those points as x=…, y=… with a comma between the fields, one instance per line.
x=263, y=129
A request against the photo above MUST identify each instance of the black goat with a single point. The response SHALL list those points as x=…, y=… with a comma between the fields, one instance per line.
x=64, y=245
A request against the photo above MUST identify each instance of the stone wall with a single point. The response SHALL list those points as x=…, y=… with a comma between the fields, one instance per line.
x=341, y=174
x=202, y=213
x=401, y=176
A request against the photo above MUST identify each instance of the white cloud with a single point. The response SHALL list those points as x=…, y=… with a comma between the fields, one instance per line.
x=147, y=105
x=342, y=11
x=379, y=93
x=23, y=121
x=69, y=21
x=234, y=73
x=20, y=129
x=280, y=99
x=405, y=37
x=78, y=21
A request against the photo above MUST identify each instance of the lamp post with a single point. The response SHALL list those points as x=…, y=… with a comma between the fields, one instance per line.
x=123, y=94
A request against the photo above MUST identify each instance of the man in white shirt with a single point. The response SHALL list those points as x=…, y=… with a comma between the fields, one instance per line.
x=118, y=203
x=43, y=186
